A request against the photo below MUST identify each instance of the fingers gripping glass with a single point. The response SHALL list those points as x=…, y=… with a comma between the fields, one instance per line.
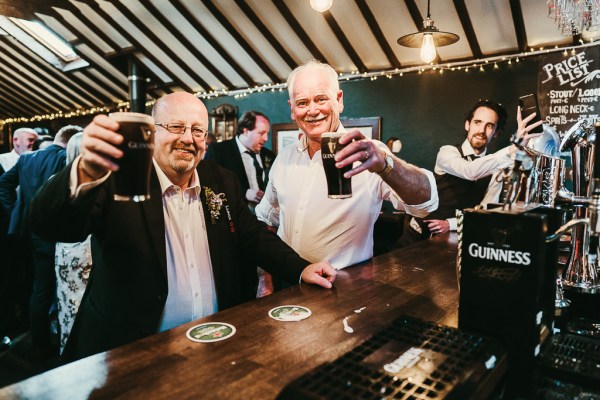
x=179, y=129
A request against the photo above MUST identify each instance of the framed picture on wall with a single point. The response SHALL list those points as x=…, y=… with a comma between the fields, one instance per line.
x=286, y=134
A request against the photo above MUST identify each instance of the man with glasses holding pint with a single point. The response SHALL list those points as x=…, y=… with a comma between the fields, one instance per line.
x=168, y=260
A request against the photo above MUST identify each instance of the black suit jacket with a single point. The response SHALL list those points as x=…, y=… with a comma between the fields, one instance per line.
x=227, y=154
x=30, y=172
x=127, y=290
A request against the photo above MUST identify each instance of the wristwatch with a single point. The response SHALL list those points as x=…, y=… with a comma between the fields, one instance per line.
x=389, y=165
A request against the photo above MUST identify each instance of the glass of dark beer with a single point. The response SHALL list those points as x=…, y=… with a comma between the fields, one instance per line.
x=132, y=180
x=338, y=187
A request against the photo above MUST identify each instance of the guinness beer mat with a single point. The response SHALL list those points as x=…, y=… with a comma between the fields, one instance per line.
x=289, y=313
x=210, y=332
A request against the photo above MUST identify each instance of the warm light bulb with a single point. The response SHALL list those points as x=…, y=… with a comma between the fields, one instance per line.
x=428, y=53
x=321, y=5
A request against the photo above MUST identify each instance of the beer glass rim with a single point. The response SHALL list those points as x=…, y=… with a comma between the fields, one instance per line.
x=331, y=134
x=132, y=117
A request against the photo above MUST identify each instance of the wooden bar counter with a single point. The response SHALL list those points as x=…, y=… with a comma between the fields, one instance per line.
x=265, y=354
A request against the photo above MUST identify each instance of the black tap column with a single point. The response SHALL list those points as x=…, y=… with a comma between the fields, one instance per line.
x=507, y=283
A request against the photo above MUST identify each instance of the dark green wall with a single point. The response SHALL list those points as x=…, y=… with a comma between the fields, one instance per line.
x=425, y=110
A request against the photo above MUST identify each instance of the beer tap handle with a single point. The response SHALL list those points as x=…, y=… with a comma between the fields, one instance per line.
x=566, y=227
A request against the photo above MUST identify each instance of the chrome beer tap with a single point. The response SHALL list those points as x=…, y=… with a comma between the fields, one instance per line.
x=581, y=272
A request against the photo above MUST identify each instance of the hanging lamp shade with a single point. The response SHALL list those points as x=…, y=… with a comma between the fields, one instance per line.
x=428, y=39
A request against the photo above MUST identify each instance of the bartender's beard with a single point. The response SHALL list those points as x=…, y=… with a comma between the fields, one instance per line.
x=478, y=141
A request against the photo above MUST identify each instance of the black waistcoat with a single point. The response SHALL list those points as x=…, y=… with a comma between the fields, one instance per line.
x=458, y=193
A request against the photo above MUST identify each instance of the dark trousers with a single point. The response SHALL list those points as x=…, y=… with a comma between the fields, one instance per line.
x=16, y=276
x=410, y=236
x=43, y=295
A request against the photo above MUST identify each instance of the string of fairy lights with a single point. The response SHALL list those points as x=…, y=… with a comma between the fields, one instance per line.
x=479, y=65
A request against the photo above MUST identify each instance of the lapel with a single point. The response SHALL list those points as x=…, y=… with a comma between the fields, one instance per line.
x=208, y=179
x=155, y=222
x=240, y=170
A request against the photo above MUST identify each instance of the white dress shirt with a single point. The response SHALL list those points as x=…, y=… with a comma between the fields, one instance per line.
x=192, y=293
x=450, y=161
x=8, y=160
x=319, y=228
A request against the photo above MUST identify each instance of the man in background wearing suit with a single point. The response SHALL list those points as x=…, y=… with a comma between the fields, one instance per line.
x=246, y=155
x=168, y=260
x=30, y=172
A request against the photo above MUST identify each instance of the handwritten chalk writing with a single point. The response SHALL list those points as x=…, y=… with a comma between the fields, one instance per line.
x=568, y=70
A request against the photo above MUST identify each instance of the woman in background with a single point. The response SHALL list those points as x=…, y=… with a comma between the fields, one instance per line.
x=73, y=262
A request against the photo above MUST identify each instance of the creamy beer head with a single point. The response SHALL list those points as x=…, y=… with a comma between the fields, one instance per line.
x=338, y=187
x=132, y=117
x=132, y=180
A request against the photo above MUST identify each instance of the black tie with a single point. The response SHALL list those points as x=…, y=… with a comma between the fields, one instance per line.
x=259, y=171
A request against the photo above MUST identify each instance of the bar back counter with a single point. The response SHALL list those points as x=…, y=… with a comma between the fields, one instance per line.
x=265, y=354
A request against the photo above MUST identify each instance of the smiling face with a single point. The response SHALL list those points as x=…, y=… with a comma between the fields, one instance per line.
x=23, y=140
x=481, y=129
x=316, y=103
x=178, y=155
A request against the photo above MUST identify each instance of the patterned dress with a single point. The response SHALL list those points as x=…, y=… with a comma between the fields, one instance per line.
x=73, y=266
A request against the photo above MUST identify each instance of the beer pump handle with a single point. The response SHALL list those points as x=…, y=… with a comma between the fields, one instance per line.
x=596, y=156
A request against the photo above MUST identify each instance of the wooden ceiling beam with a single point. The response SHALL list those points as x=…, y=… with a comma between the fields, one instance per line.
x=212, y=41
x=343, y=39
x=186, y=43
x=378, y=33
x=266, y=32
x=149, y=33
x=240, y=39
x=467, y=25
x=299, y=31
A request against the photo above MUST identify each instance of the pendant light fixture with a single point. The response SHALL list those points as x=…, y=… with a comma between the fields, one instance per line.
x=321, y=5
x=428, y=39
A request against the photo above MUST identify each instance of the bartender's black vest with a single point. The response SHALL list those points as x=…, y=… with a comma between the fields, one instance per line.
x=457, y=193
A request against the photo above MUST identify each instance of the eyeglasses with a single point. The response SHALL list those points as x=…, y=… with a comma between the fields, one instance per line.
x=179, y=129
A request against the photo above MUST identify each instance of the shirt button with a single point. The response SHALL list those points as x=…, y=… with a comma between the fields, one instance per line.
x=196, y=295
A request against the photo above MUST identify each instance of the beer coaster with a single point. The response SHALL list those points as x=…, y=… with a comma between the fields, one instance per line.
x=210, y=332
x=289, y=313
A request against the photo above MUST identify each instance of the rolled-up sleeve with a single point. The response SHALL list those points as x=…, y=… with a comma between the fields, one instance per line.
x=418, y=210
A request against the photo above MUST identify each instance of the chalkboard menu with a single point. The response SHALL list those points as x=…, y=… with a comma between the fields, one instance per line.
x=569, y=87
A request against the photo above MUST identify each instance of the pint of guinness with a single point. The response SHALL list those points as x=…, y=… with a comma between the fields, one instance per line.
x=338, y=187
x=132, y=180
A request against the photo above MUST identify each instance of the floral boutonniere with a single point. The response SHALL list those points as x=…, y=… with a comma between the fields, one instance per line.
x=267, y=162
x=215, y=202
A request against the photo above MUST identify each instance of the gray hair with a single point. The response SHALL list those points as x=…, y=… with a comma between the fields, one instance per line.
x=317, y=65
x=74, y=146
x=21, y=131
x=65, y=133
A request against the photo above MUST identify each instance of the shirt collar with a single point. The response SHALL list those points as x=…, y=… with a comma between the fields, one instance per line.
x=241, y=146
x=468, y=150
x=166, y=184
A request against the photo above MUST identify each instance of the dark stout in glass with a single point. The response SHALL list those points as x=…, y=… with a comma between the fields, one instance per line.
x=338, y=187
x=132, y=180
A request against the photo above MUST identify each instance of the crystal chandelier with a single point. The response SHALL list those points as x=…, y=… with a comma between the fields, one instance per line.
x=573, y=17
